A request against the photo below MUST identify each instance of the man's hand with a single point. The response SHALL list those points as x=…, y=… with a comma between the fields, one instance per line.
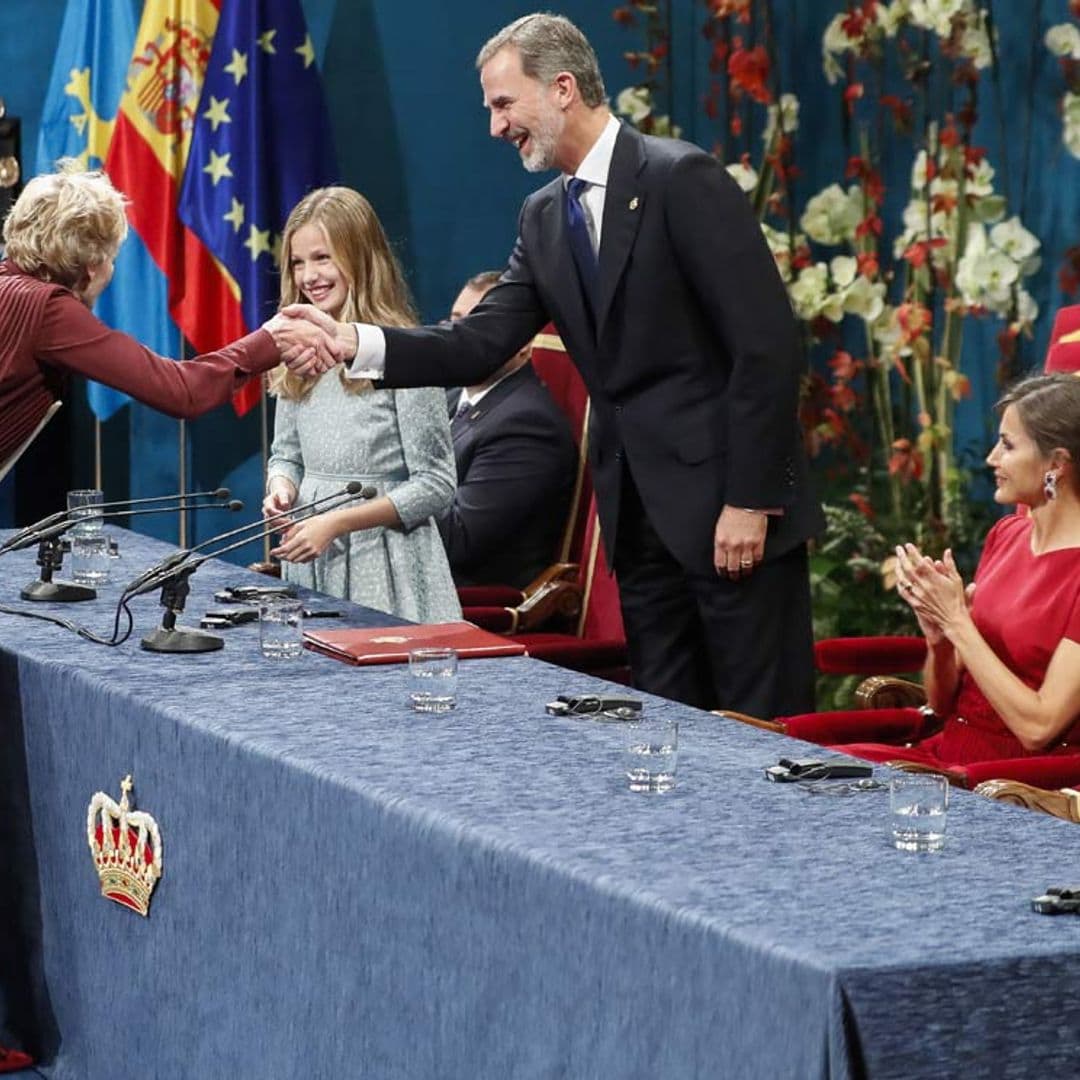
x=343, y=333
x=307, y=348
x=739, y=541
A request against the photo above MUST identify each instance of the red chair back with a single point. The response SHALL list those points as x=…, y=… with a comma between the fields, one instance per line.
x=601, y=613
x=1064, y=355
x=557, y=372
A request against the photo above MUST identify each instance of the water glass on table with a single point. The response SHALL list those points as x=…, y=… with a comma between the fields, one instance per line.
x=918, y=803
x=91, y=559
x=433, y=679
x=651, y=755
x=281, y=627
x=84, y=506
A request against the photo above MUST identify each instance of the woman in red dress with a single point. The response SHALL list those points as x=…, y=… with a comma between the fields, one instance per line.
x=1003, y=663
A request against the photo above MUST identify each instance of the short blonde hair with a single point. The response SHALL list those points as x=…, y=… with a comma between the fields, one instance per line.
x=65, y=222
x=377, y=292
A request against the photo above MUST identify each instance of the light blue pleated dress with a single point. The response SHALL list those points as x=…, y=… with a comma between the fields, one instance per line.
x=399, y=442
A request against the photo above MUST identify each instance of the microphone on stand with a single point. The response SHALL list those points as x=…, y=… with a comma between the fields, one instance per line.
x=173, y=572
x=51, y=550
x=82, y=513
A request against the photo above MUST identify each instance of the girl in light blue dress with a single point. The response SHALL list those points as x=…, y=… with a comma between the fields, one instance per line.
x=384, y=553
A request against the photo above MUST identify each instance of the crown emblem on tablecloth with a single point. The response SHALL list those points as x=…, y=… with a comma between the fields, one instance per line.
x=126, y=846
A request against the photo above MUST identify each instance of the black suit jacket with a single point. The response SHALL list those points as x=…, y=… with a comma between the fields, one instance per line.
x=516, y=462
x=691, y=358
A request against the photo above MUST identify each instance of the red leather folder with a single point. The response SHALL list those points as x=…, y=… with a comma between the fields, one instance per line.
x=391, y=644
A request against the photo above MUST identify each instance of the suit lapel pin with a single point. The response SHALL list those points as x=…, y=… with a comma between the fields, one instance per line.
x=634, y=203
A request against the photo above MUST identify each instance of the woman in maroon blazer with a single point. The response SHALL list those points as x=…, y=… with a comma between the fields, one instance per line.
x=60, y=241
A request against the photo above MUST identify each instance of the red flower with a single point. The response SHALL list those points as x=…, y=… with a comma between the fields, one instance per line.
x=867, y=263
x=843, y=365
x=949, y=135
x=918, y=253
x=870, y=225
x=623, y=16
x=844, y=398
x=749, y=69
x=721, y=9
x=862, y=504
x=852, y=94
x=904, y=461
x=943, y=203
x=915, y=320
x=972, y=156
x=900, y=110
x=802, y=257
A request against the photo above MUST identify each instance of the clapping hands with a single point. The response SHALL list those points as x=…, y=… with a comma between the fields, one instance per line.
x=934, y=590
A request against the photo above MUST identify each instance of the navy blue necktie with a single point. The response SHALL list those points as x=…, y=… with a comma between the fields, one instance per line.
x=580, y=241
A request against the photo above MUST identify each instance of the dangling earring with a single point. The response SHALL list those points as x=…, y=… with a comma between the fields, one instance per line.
x=1050, y=486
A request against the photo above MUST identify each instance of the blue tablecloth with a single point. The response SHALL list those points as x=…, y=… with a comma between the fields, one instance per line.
x=351, y=889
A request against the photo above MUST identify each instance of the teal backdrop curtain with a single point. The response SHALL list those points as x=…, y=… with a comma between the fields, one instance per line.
x=411, y=134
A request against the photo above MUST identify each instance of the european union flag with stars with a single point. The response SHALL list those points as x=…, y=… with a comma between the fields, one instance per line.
x=262, y=140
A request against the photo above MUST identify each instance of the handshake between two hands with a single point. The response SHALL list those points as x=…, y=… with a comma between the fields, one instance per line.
x=310, y=341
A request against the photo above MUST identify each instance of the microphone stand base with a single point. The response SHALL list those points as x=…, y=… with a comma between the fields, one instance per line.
x=181, y=639
x=63, y=592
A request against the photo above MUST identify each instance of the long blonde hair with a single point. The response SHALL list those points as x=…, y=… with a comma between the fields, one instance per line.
x=377, y=292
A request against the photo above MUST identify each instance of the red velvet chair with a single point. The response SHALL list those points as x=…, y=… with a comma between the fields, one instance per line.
x=14, y=1060
x=597, y=643
x=1064, y=351
x=570, y=614
x=556, y=594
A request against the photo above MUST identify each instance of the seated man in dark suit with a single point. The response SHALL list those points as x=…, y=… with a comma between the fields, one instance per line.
x=516, y=460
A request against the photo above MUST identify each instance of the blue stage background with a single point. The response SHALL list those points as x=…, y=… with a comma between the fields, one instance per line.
x=412, y=135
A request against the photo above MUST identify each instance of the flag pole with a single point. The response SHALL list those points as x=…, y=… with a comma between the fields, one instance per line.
x=97, y=454
x=182, y=466
x=264, y=440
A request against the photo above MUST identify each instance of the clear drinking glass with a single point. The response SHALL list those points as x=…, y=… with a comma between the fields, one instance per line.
x=651, y=756
x=281, y=627
x=91, y=559
x=433, y=679
x=918, y=804
x=84, y=505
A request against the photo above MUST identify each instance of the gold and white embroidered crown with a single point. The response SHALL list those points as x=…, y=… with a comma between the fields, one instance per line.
x=126, y=846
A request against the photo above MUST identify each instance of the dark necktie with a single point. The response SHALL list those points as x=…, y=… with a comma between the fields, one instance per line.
x=580, y=241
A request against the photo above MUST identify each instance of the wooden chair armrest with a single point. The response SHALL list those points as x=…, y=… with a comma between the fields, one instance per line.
x=955, y=778
x=1064, y=804
x=556, y=594
x=889, y=692
x=744, y=718
x=271, y=569
x=560, y=571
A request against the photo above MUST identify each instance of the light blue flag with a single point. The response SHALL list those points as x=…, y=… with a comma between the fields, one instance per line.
x=96, y=41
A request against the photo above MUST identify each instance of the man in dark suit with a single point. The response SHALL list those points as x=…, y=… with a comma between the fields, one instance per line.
x=648, y=259
x=516, y=460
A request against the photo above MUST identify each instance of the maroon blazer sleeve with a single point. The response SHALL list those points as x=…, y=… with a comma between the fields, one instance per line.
x=74, y=339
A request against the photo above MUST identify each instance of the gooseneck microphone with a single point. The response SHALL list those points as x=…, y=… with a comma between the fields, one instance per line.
x=16, y=541
x=150, y=578
x=172, y=573
x=51, y=553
